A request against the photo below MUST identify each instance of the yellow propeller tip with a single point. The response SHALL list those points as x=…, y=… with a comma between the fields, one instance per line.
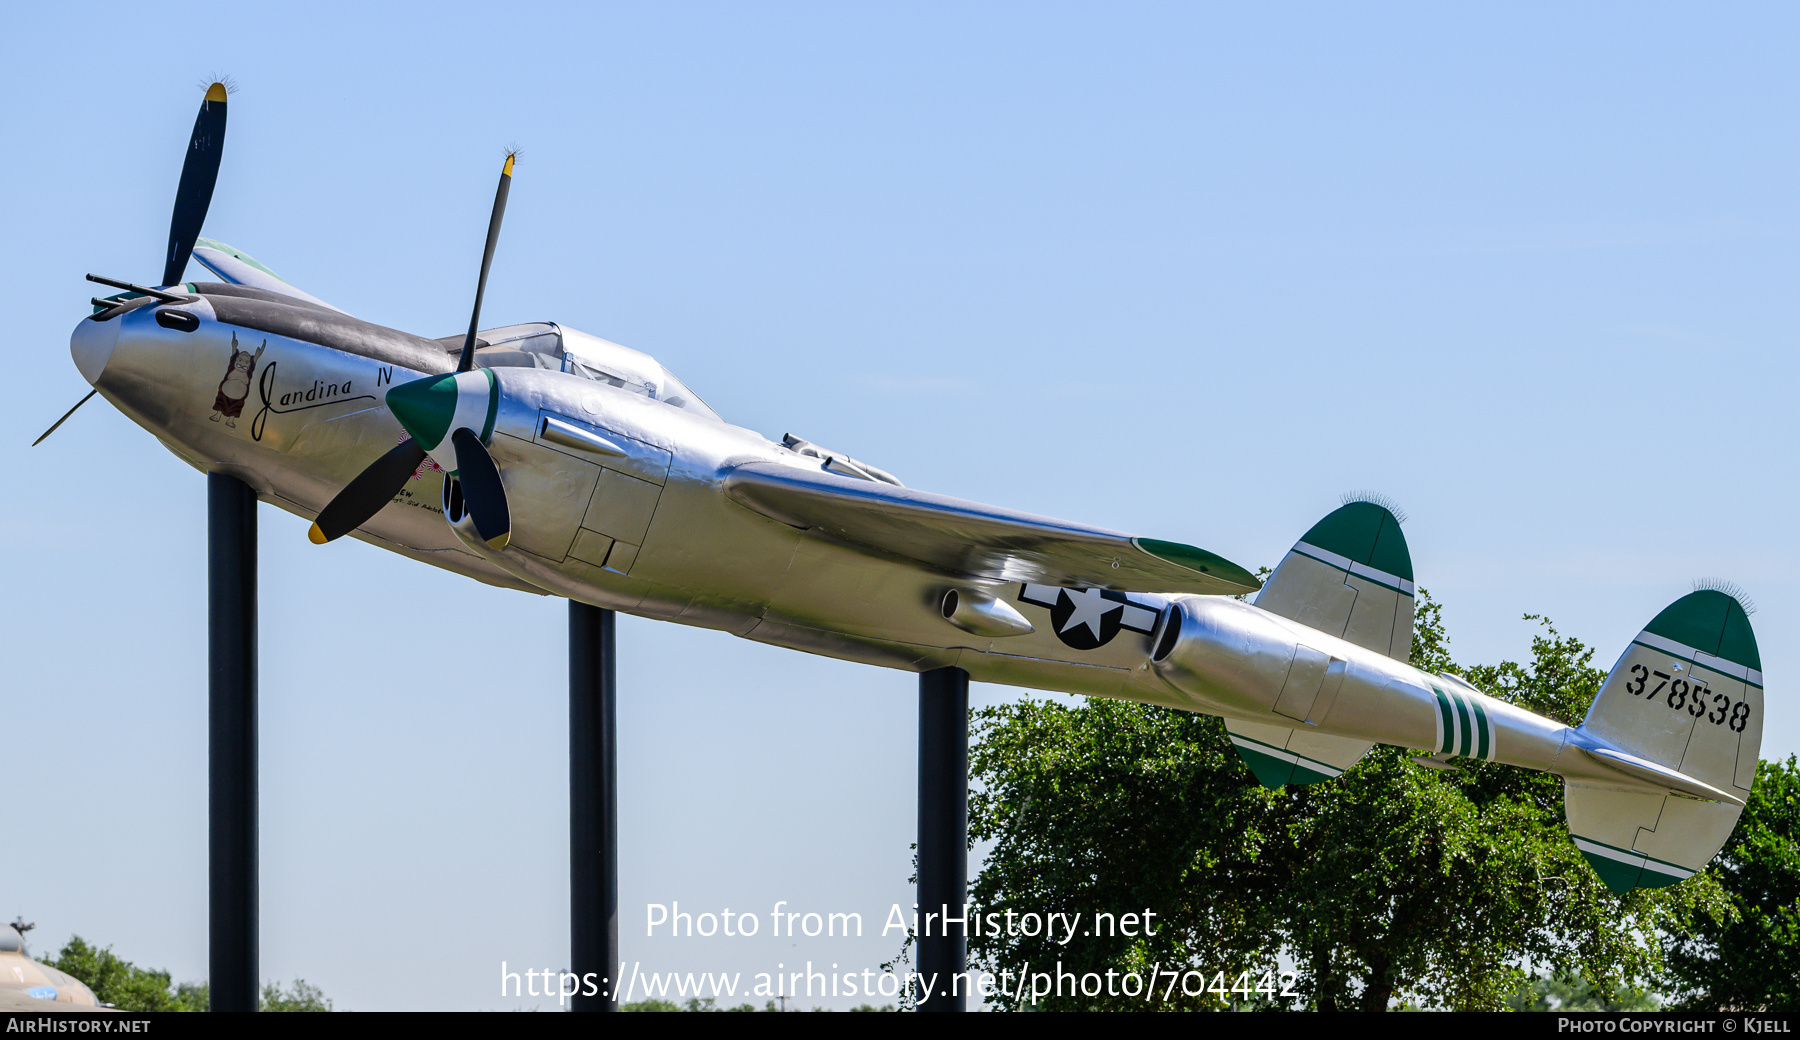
x=216, y=92
x=499, y=541
x=316, y=535
x=509, y=161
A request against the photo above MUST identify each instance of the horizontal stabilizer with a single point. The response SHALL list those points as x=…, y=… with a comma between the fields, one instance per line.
x=1662, y=776
x=970, y=538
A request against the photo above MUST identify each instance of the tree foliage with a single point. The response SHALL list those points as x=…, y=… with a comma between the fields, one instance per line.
x=121, y=984
x=300, y=997
x=1751, y=959
x=1392, y=885
x=1572, y=993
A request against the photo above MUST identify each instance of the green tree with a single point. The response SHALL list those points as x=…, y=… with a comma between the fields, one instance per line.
x=122, y=984
x=1118, y=807
x=302, y=997
x=1750, y=959
x=1567, y=993
x=1391, y=885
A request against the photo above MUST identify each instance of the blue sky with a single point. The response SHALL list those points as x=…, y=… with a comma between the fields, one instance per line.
x=1190, y=271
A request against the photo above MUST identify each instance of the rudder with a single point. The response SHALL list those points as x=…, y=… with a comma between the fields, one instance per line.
x=1686, y=695
x=1349, y=576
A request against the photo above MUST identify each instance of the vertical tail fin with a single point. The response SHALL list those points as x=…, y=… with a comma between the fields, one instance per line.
x=1687, y=696
x=1349, y=576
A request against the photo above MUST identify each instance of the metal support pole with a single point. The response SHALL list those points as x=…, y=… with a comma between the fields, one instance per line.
x=593, y=806
x=943, y=836
x=232, y=970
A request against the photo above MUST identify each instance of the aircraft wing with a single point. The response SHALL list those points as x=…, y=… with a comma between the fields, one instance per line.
x=974, y=539
x=236, y=267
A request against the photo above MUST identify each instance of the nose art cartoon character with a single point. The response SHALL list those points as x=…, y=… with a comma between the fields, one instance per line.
x=229, y=404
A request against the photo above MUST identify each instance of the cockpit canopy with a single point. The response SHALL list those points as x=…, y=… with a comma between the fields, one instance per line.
x=547, y=345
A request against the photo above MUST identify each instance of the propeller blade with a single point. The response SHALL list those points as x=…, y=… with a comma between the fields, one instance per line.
x=64, y=419
x=482, y=491
x=363, y=497
x=487, y=258
x=198, y=175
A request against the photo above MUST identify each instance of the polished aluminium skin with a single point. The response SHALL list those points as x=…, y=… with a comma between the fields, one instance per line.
x=624, y=501
x=623, y=490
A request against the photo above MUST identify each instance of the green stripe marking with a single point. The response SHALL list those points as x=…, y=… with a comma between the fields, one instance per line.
x=1274, y=770
x=1361, y=577
x=487, y=428
x=1269, y=771
x=1654, y=878
x=1481, y=726
x=1444, y=719
x=1697, y=664
x=1621, y=876
x=1633, y=852
x=1305, y=774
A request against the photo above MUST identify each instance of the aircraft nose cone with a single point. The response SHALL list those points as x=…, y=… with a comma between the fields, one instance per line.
x=91, y=345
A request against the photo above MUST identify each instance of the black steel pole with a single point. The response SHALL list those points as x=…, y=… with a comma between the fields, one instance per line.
x=943, y=839
x=232, y=970
x=593, y=807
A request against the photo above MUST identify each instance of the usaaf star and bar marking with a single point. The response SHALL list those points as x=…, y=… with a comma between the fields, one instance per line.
x=1087, y=619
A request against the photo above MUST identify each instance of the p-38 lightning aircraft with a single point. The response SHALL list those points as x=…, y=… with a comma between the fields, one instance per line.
x=544, y=459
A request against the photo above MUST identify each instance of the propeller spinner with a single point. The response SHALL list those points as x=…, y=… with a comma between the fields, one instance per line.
x=448, y=417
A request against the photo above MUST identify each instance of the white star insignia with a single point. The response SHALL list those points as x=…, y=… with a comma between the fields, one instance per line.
x=1090, y=607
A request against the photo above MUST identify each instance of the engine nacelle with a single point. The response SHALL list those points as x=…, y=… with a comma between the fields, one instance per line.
x=1224, y=652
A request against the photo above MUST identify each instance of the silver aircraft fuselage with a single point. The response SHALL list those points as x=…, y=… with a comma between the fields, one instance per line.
x=624, y=500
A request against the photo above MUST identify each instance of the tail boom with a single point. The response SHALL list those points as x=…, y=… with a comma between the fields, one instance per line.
x=1232, y=659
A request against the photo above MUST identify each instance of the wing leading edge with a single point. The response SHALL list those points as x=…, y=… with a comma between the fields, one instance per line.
x=980, y=540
